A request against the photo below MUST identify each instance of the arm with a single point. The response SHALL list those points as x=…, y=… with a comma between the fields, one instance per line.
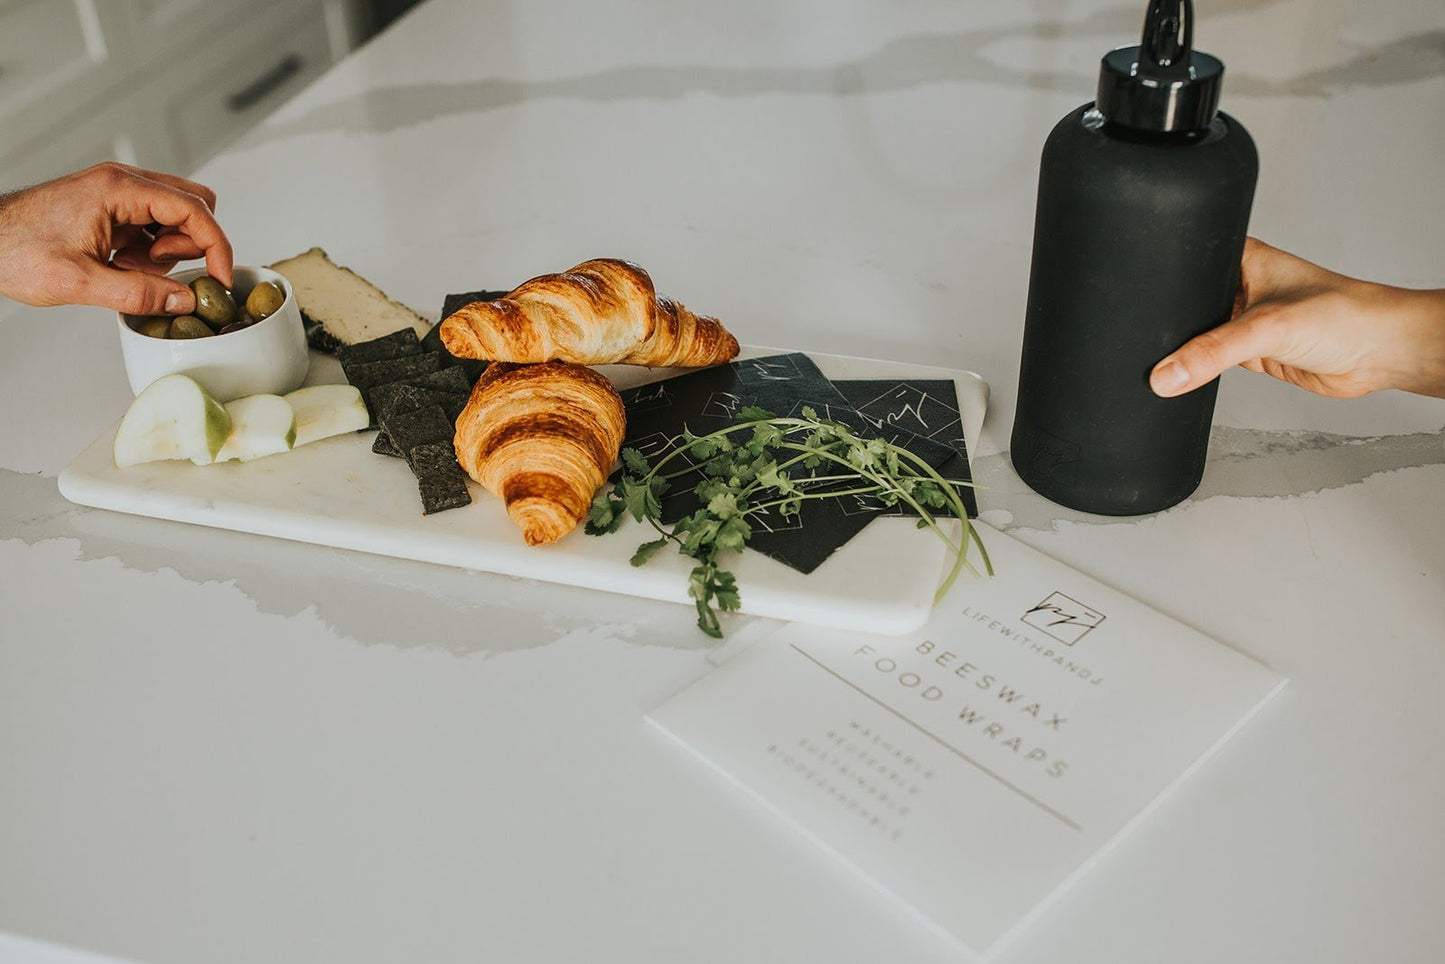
x=1322, y=331
x=106, y=236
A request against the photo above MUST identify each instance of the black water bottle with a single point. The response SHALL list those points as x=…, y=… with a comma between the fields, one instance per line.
x=1143, y=206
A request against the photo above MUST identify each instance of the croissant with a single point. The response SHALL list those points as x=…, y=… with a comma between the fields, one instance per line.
x=543, y=438
x=601, y=312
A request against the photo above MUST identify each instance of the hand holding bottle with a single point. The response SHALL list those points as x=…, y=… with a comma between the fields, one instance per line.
x=1325, y=332
x=1143, y=204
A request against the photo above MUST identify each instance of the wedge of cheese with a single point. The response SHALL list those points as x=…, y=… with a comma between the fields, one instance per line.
x=339, y=307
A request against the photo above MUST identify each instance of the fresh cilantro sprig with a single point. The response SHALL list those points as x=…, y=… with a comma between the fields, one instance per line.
x=763, y=462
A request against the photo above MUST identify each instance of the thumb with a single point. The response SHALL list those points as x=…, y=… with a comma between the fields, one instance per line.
x=135, y=292
x=1205, y=357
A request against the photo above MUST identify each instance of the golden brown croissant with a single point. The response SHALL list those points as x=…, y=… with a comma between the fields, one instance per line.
x=543, y=438
x=601, y=312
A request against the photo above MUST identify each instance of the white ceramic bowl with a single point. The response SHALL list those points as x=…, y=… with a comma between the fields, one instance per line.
x=269, y=357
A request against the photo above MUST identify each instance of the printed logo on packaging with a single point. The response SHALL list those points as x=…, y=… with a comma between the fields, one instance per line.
x=1063, y=617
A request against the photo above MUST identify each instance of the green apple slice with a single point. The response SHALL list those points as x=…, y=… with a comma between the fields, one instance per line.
x=326, y=410
x=260, y=425
x=173, y=418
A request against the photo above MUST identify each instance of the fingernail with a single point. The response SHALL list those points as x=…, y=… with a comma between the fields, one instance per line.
x=1168, y=379
x=177, y=303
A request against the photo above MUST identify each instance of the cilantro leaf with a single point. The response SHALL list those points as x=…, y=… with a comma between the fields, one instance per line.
x=635, y=461
x=602, y=515
x=646, y=551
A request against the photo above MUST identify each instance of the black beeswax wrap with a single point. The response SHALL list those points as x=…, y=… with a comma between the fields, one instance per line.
x=927, y=407
x=709, y=399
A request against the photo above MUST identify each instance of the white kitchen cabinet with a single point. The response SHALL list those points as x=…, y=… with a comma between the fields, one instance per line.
x=54, y=55
x=149, y=15
x=205, y=106
x=127, y=130
x=160, y=83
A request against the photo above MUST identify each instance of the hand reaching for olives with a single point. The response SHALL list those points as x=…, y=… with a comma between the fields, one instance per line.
x=107, y=236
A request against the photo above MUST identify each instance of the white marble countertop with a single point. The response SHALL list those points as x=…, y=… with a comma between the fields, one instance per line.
x=225, y=748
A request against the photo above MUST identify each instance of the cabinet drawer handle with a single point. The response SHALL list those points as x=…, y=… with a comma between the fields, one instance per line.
x=260, y=88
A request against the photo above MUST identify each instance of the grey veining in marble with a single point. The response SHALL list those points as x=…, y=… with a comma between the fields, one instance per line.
x=903, y=64
x=1243, y=464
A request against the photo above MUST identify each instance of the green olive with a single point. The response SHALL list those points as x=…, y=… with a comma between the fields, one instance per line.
x=189, y=326
x=155, y=327
x=214, y=304
x=263, y=301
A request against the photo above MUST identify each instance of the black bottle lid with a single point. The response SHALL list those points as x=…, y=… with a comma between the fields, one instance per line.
x=1163, y=85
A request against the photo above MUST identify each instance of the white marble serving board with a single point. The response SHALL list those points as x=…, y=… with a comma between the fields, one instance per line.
x=337, y=492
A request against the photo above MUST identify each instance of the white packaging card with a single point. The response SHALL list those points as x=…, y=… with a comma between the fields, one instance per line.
x=974, y=768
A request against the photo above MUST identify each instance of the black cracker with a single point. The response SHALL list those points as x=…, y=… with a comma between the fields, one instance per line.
x=451, y=381
x=420, y=426
x=448, y=388
x=425, y=435
x=366, y=375
x=439, y=478
x=395, y=398
x=447, y=379
x=381, y=445
x=398, y=344
x=451, y=400
x=406, y=395
x=370, y=376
